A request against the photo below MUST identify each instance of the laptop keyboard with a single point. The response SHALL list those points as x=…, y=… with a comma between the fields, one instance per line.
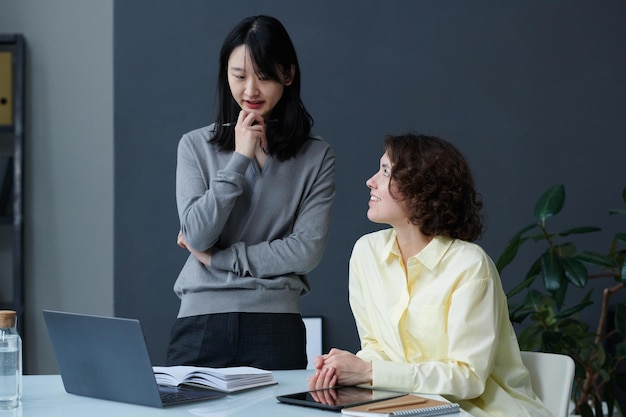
x=176, y=397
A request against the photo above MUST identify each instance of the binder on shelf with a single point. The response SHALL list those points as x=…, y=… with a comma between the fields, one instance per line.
x=6, y=185
x=6, y=88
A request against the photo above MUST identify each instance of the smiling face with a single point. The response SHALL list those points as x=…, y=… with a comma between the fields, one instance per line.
x=383, y=207
x=252, y=92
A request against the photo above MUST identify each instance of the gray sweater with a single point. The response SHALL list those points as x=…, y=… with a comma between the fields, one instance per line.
x=268, y=228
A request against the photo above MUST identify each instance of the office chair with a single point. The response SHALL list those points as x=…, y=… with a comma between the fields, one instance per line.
x=551, y=375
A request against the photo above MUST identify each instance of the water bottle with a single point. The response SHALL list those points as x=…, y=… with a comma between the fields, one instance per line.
x=10, y=361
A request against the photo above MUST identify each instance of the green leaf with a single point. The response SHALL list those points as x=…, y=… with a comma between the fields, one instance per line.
x=623, y=272
x=522, y=286
x=550, y=203
x=551, y=270
x=574, y=334
x=621, y=237
x=575, y=271
x=559, y=295
x=533, y=299
x=535, y=269
x=530, y=338
x=519, y=318
x=532, y=273
x=566, y=249
x=537, y=237
x=596, y=259
x=579, y=230
x=575, y=309
x=550, y=341
x=620, y=319
x=510, y=251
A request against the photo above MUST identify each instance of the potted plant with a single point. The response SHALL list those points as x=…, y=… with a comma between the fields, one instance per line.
x=548, y=320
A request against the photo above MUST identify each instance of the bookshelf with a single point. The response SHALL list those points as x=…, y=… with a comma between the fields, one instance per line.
x=12, y=88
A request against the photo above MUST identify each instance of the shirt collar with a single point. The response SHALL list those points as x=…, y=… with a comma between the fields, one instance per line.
x=390, y=248
x=430, y=256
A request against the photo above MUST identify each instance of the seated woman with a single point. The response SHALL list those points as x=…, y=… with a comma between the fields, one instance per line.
x=428, y=304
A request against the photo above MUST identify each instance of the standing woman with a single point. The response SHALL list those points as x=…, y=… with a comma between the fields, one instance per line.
x=428, y=303
x=254, y=193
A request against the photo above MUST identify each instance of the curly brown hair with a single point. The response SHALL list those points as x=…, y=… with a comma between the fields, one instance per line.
x=434, y=180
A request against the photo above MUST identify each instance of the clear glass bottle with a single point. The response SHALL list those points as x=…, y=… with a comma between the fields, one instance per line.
x=10, y=360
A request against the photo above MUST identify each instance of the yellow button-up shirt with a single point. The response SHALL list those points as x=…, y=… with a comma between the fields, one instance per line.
x=439, y=325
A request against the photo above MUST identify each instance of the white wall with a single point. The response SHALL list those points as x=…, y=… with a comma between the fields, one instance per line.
x=69, y=162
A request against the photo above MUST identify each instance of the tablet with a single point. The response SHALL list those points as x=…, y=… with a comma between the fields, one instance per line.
x=338, y=397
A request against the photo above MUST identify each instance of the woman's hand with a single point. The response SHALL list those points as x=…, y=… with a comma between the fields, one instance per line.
x=339, y=367
x=180, y=240
x=250, y=134
x=203, y=257
x=322, y=378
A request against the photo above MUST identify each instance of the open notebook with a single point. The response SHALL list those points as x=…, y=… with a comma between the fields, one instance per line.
x=107, y=358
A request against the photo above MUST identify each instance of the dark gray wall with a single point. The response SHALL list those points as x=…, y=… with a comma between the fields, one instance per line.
x=532, y=92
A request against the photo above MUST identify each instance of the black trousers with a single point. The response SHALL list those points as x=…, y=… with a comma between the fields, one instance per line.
x=264, y=340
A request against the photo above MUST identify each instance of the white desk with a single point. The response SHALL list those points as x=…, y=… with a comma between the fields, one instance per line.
x=44, y=396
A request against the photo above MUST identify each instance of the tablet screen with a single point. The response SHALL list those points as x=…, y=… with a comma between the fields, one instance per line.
x=338, y=397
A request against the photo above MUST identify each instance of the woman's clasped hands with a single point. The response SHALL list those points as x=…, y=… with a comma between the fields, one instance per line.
x=339, y=367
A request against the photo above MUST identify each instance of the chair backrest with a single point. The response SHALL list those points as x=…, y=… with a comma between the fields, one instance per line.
x=313, y=326
x=552, y=376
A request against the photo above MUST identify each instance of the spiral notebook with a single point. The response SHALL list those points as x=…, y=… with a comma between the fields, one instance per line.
x=407, y=405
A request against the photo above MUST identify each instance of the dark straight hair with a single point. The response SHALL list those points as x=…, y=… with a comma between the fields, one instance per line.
x=273, y=56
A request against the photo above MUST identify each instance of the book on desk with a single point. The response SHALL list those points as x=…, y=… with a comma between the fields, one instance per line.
x=230, y=379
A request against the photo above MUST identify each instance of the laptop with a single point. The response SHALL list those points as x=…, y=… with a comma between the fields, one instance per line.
x=107, y=358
